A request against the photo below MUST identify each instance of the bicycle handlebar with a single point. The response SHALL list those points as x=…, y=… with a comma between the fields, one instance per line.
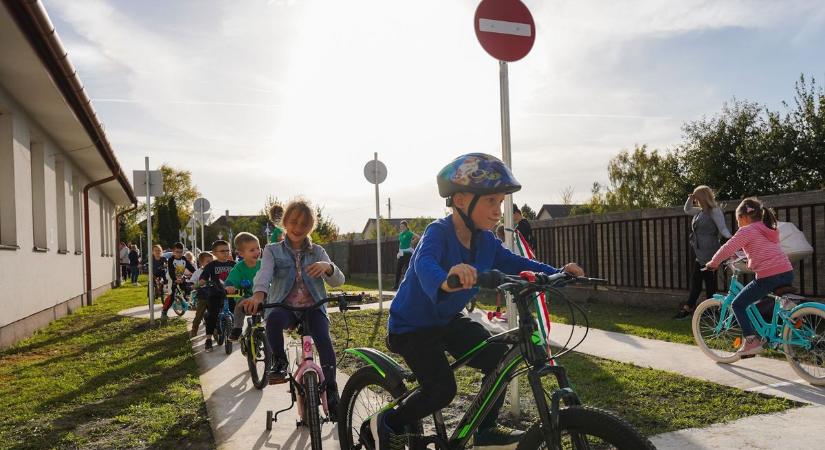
x=343, y=303
x=495, y=279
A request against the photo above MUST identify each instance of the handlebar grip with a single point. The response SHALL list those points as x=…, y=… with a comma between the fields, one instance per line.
x=453, y=281
x=353, y=307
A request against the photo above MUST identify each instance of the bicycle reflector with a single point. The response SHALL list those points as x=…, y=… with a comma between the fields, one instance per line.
x=737, y=342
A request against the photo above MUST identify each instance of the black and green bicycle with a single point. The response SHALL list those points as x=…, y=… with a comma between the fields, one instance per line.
x=563, y=421
x=255, y=346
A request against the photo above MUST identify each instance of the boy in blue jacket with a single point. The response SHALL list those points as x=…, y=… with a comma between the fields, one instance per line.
x=426, y=318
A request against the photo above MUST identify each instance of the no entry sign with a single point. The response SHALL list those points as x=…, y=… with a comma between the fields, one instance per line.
x=505, y=29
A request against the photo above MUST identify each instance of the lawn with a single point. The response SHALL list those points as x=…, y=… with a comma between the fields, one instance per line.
x=653, y=400
x=96, y=380
x=359, y=283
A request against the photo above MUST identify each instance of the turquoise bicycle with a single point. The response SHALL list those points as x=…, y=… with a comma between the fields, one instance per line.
x=791, y=324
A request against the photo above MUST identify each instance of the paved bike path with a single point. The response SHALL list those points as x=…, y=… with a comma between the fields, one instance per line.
x=238, y=411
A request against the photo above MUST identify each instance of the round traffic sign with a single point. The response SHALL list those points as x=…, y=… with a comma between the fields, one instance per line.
x=202, y=204
x=375, y=175
x=505, y=29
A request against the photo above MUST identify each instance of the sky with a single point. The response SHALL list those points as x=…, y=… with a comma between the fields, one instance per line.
x=292, y=97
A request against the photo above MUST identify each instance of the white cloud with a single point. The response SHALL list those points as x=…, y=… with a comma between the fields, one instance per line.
x=293, y=97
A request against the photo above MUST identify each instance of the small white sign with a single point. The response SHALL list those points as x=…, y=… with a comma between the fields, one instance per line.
x=155, y=183
x=504, y=27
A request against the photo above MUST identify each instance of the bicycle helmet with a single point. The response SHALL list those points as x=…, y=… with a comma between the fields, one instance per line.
x=478, y=174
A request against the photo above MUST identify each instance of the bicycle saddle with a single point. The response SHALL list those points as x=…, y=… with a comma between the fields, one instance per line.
x=782, y=290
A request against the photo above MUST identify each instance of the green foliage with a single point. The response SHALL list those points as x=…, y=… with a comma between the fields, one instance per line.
x=325, y=229
x=744, y=150
x=416, y=225
x=527, y=212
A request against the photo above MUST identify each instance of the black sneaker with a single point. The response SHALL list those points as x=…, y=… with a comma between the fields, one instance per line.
x=332, y=401
x=497, y=437
x=208, y=345
x=380, y=436
x=235, y=334
x=278, y=373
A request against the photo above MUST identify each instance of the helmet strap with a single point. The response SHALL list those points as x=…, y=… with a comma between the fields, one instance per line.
x=468, y=222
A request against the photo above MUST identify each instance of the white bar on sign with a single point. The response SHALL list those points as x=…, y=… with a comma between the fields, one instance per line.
x=504, y=27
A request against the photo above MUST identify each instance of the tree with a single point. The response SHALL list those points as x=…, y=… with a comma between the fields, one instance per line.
x=596, y=205
x=528, y=212
x=178, y=184
x=566, y=195
x=642, y=179
x=325, y=229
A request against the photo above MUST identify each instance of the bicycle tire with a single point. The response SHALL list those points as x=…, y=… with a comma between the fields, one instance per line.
x=312, y=417
x=178, y=304
x=257, y=354
x=719, y=347
x=227, y=328
x=799, y=357
x=580, y=422
x=220, y=333
x=363, y=378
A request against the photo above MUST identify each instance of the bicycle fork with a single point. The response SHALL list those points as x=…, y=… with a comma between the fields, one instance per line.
x=549, y=414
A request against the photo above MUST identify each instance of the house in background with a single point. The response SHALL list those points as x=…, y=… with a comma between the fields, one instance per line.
x=60, y=181
x=369, y=228
x=554, y=211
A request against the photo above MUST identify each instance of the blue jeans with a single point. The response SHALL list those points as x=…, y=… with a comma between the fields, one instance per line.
x=133, y=271
x=752, y=293
x=280, y=319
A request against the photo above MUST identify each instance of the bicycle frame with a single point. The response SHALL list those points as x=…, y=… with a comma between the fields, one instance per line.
x=771, y=331
x=223, y=314
x=522, y=350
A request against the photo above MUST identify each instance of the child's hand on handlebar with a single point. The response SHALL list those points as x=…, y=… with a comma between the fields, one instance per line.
x=466, y=274
x=250, y=305
x=709, y=267
x=573, y=269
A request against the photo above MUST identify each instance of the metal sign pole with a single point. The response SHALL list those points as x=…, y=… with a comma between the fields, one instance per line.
x=149, y=247
x=378, y=236
x=512, y=319
x=201, y=217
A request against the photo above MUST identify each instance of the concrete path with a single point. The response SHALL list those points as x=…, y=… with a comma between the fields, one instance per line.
x=238, y=411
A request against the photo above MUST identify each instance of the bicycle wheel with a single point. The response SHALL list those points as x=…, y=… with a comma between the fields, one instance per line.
x=312, y=418
x=585, y=427
x=220, y=332
x=809, y=363
x=259, y=357
x=365, y=394
x=227, y=328
x=178, y=303
x=719, y=346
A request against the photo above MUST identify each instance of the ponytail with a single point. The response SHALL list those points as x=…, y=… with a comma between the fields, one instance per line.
x=769, y=217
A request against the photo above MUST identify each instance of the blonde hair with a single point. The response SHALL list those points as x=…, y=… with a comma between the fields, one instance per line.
x=243, y=238
x=301, y=207
x=704, y=195
x=158, y=247
x=202, y=257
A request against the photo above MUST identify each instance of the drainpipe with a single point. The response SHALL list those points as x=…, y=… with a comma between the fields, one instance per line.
x=119, y=272
x=86, y=235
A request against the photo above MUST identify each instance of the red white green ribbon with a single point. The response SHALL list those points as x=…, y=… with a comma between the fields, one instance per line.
x=542, y=311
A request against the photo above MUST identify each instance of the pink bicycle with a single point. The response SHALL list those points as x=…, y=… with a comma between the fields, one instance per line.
x=306, y=380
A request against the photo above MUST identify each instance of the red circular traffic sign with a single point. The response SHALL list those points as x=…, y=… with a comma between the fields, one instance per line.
x=505, y=29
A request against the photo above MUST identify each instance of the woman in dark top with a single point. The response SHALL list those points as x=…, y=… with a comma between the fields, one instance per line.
x=707, y=226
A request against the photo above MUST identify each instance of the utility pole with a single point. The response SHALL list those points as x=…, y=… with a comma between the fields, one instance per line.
x=389, y=208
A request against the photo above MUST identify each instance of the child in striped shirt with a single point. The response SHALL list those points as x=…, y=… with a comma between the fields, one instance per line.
x=758, y=236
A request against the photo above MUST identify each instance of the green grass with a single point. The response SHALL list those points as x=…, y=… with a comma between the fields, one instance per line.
x=652, y=323
x=96, y=380
x=358, y=283
x=653, y=400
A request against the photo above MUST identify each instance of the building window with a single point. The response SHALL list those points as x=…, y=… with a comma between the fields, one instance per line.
x=60, y=199
x=8, y=216
x=77, y=211
x=38, y=171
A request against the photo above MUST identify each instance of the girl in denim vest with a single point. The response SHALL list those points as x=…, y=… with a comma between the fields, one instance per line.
x=294, y=271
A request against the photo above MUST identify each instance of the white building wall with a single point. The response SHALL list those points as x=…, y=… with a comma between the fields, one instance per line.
x=33, y=281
